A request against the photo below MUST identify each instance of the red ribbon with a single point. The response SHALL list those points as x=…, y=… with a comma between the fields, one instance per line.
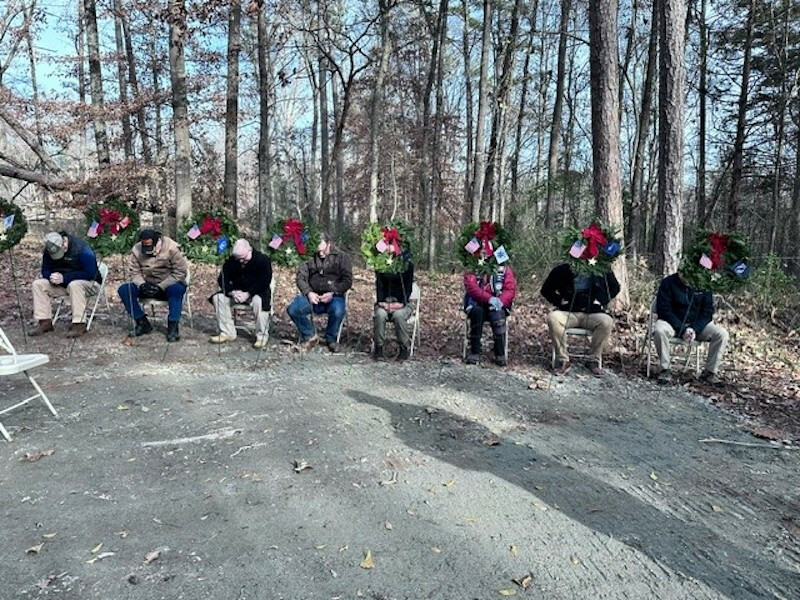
x=392, y=237
x=595, y=240
x=111, y=218
x=212, y=226
x=293, y=228
x=487, y=231
x=719, y=244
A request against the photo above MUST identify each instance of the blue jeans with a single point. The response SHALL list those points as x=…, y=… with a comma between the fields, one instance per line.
x=300, y=309
x=129, y=294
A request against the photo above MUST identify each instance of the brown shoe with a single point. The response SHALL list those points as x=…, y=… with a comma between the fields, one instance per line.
x=310, y=342
x=563, y=367
x=45, y=325
x=77, y=330
x=334, y=347
x=594, y=368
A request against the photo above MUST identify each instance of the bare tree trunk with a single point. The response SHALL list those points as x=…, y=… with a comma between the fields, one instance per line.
x=637, y=219
x=81, y=72
x=324, y=72
x=483, y=103
x=231, y=178
x=122, y=79
x=338, y=161
x=703, y=93
x=669, y=221
x=96, y=83
x=376, y=105
x=626, y=61
x=436, y=162
x=738, y=145
x=34, y=82
x=180, y=111
x=794, y=225
x=264, y=151
x=523, y=103
x=141, y=117
x=558, y=107
x=156, y=67
x=605, y=127
x=469, y=108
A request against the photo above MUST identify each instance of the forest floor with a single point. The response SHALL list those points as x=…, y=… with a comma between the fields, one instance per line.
x=193, y=471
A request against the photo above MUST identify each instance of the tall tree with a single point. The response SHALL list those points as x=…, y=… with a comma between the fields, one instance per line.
x=669, y=221
x=180, y=110
x=133, y=79
x=96, y=83
x=264, y=150
x=603, y=59
x=703, y=99
x=122, y=82
x=478, y=170
x=231, y=178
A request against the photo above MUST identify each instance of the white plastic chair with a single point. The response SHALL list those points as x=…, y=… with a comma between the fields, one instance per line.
x=101, y=293
x=14, y=363
x=244, y=309
x=465, y=344
x=649, y=344
x=577, y=332
x=187, y=301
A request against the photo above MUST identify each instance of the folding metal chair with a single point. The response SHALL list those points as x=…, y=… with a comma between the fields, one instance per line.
x=242, y=309
x=341, y=325
x=101, y=293
x=15, y=363
x=187, y=301
x=649, y=344
x=413, y=319
x=577, y=332
x=465, y=344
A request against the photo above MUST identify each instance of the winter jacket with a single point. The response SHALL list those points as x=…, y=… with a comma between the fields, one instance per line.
x=559, y=290
x=479, y=288
x=394, y=285
x=78, y=263
x=254, y=277
x=334, y=273
x=682, y=306
x=166, y=268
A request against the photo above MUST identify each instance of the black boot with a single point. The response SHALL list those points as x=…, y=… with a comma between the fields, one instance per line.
x=142, y=326
x=172, y=331
x=377, y=353
x=500, y=357
x=404, y=353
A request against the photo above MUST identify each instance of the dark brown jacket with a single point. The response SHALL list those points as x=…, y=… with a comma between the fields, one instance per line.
x=334, y=274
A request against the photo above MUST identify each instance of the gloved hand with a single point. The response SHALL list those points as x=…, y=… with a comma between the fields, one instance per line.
x=149, y=290
x=495, y=303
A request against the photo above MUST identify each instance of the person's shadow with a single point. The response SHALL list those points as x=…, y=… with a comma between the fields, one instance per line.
x=687, y=548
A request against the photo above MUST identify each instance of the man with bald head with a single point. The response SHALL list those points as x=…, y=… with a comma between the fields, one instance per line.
x=245, y=279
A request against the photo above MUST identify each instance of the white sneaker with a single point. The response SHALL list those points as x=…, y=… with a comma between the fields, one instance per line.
x=260, y=343
x=221, y=338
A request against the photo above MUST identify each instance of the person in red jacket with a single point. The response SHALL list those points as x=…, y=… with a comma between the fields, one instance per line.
x=489, y=297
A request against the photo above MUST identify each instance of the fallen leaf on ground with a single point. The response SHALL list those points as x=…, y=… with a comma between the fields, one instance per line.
x=96, y=549
x=508, y=592
x=513, y=550
x=388, y=525
x=123, y=407
x=301, y=465
x=320, y=546
x=100, y=556
x=34, y=456
x=368, y=562
x=34, y=549
x=123, y=534
x=450, y=483
x=653, y=476
x=716, y=508
x=524, y=582
x=436, y=549
x=151, y=556
x=391, y=480
x=48, y=536
x=574, y=559
x=491, y=441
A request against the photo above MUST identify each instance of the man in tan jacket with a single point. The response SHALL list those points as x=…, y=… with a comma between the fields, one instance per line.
x=159, y=271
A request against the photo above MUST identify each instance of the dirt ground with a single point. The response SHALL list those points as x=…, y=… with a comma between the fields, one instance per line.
x=180, y=472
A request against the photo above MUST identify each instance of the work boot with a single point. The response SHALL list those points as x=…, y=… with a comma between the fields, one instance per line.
x=172, y=331
x=45, y=325
x=377, y=353
x=221, y=338
x=404, y=353
x=500, y=350
x=77, y=330
x=142, y=326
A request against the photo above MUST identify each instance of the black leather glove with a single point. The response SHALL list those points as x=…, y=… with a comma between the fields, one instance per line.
x=149, y=290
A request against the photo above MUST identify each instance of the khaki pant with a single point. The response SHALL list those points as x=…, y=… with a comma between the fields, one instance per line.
x=714, y=334
x=600, y=324
x=400, y=318
x=78, y=291
x=222, y=304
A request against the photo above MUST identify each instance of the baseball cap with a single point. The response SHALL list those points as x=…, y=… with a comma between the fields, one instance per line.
x=54, y=245
x=149, y=238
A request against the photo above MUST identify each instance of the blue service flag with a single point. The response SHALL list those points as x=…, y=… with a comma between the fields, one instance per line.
x=741, y=269
x=8, y=221
x=611, y=248
x=222, y=245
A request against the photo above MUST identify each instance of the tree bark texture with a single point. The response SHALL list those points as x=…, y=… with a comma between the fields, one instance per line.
x=122, y=82
x=231, y=178
x=96, y=83
x=264, y=149
x=375, y=107
x=180, y=111
x=483, y=105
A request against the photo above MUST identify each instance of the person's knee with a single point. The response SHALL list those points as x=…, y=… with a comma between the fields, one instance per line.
x=554, y=320
x=297, y=307
x=723, y=335
x=337, y=310
x=125, y=288
x=40, y=284
x=605, y=325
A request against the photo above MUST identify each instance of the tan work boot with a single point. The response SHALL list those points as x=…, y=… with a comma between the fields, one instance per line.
x=77, y=330
x=260, y=343
x=220, y=338
x=45, y=325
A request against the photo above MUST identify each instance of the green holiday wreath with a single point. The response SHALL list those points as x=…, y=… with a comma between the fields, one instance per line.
x=387, y=248
x=484, y=246
x=207, y=236
x=591, y=250
x=290, y=242
x=13, y=225
x=716, y=262
x=113, y=227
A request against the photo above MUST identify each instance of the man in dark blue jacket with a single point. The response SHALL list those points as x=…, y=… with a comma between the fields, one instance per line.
x=685, y=312
x=69, y=268
x=245, y=279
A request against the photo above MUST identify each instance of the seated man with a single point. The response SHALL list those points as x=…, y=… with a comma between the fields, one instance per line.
x=393, y=291
x=580, y=301
x=685, y=312
x=323, y=282
x=245, y=279
x=69, y=268
x=159, y=271
x=489, y=297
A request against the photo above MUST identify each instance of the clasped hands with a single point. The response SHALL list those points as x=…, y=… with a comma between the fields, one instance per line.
x=56, y=278
x=391, y=306
x=689, y=335
x=239, y=296
x=316, y=298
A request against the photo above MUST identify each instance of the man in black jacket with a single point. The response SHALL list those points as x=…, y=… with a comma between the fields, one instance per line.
x=686, y=313
x=580, y=301
x=245, y=279
x=392, y=293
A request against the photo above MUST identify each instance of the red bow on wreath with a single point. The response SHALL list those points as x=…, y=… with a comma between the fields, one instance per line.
x=392, y=238
x=111, y=218
x=487, y=231
x=719, y=244
x=595, y=239
x=212, y=226
x=293, y=228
